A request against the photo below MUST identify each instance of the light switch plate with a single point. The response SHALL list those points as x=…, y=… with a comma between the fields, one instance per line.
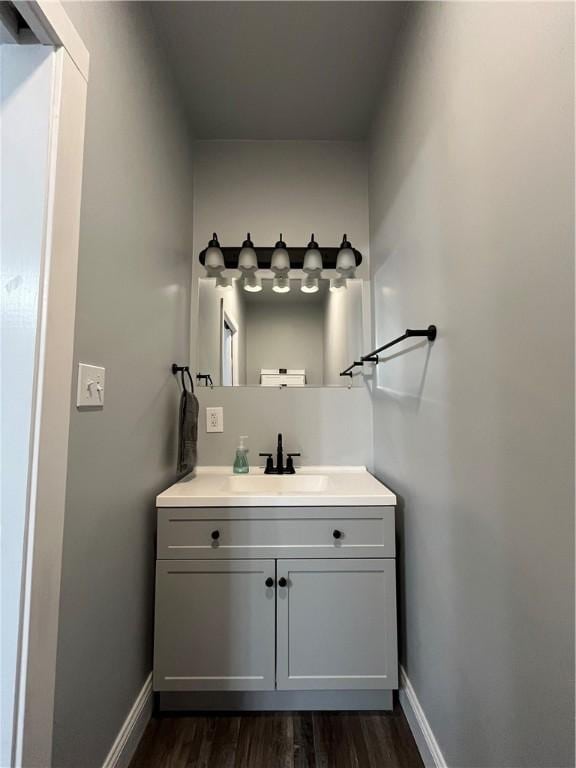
x=215, y=419
x=90, y=393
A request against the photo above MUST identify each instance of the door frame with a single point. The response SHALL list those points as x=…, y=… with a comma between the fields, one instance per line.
x=42, y=563
x=227, y=319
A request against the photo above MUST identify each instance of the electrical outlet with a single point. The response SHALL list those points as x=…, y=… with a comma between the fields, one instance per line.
x=215, y=419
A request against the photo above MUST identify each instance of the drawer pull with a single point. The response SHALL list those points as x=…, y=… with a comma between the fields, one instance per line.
x=282, y=582
x=215, y=535
x=269, y=582
x=337, y=534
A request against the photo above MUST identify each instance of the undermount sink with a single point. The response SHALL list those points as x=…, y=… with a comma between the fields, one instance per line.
x=258, y=484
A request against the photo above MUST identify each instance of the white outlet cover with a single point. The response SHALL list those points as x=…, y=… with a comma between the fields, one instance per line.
x=90, y=392
x=215, y=419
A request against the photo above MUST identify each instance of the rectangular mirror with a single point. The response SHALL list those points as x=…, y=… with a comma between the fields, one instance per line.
x=292, y=339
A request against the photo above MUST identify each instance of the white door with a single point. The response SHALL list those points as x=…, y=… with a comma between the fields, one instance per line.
x=26, y=83
x=336, y=624
x=214, y=625
x=42, y=109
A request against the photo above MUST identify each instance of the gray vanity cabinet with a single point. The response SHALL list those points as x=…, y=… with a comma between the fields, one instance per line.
x=276, y=599
x=215, y=625
x=336, y=625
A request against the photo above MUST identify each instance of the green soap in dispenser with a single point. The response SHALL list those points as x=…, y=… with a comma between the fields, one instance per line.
x=241, y=460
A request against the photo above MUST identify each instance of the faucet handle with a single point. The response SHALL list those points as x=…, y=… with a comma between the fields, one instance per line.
x=290, y=463
x=269, y=463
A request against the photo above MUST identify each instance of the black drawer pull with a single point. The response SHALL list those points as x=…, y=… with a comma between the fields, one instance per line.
x=337, y=534
x=215, y=535
x=282, y=582
x=269, y=582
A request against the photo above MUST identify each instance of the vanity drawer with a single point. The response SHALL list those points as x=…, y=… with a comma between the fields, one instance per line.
x=215, y=533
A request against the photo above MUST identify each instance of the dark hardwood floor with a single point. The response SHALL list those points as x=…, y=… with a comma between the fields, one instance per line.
x=279, y=740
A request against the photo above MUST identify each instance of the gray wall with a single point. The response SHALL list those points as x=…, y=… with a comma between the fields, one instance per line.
x=346, y=337
x=471, y=218
x=133, y=318
x=329, y=425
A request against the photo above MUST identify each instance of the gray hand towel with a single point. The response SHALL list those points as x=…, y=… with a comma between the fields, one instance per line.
x=188, y=432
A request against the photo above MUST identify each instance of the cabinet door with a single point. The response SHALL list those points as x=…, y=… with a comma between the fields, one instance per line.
x=214, y=625
x=336, y=624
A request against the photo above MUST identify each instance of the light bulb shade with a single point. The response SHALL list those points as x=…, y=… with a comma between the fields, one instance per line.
x=252, y=283
x=214, y=258
x=338, y=284
x=280, y=262
x=346, y=259
x=281, y=285
x=247, y=259
x=310, y=285
x=312, y=258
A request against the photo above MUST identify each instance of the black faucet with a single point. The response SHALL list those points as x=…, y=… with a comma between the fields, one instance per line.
x=279, y=469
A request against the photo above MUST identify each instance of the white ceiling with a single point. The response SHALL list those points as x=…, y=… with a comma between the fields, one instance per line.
x=278, y=70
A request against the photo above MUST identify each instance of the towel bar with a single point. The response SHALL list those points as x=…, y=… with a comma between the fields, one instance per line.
x=372, y=357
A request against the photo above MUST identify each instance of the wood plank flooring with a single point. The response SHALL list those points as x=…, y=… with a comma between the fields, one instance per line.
x=279, y=740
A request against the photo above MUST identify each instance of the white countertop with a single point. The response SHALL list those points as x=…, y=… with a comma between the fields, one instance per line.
x=310, y=486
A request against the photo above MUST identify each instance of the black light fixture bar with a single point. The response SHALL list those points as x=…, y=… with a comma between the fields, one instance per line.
x=372, y=357
x=264, y=254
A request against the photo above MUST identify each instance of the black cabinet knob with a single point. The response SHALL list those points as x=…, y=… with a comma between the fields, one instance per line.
x=282, y=582
x=269, y=582
x=215, y=535
x=337, y=534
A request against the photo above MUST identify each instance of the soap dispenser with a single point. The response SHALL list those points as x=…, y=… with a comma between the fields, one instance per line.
x=241, y=460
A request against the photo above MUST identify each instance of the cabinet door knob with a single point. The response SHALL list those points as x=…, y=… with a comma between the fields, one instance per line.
x=215, y=535
x=282, y=582
x=269, y=582
x=337, y=534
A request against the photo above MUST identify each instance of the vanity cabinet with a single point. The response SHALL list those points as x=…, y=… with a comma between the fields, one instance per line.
x=215, y=625
x=275, y=599
x=336, y=625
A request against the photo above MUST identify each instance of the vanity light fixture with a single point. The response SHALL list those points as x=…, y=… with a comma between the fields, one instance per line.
x=214, y=258
x=280, y=262
x=252, y=282
x=281, y=284
x=310, y=285
x=346, y=259
x=312, y=266
x=247, y=259
x=312, y=259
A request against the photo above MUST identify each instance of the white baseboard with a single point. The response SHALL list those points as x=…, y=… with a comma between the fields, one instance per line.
x=430, y=752
x=131, y=732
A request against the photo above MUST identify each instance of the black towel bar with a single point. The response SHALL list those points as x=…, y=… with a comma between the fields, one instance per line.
x=372, y=357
